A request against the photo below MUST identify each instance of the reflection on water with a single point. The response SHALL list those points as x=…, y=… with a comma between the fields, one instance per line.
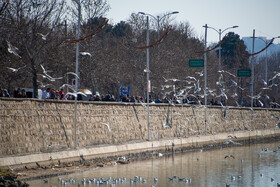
x=254, y=165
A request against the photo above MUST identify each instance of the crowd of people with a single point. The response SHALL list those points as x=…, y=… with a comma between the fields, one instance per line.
x=61, y=95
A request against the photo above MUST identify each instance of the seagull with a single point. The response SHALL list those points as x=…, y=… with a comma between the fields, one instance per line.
x=45, y=71
x=174, y=80
x=229, y=156
x=12, y=49
x=234, y=94
x=255, y=96
x=223, y=95
x=165, y=79
x=223, y=71
x=192, y=78
x=200, y=73
x=108, y=127
x=53, y=79
x=16, y=70
x=145, y=70
x=261, y=104
x=196, y=87
x=233, y=83
x=85, y=54
x=67, y=85
x=44, y=36
x=46, y=75
x=240, y=88
x=167, y=124
x=264, y=82
x=72, y=73
x=43, y=85
x=165, y=86
x=220, y=82
x=275, y=76
x=75, y=94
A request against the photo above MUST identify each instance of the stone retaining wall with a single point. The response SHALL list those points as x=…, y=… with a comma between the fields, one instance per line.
x=30, y=126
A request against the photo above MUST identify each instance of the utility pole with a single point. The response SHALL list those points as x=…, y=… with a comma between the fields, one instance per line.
x=77, y=66
x=148, y=78
x=205, y=78
x=252, y=81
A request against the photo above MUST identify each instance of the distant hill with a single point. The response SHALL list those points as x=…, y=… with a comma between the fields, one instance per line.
x=260, y=44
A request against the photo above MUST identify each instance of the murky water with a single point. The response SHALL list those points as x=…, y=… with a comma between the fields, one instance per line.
x=256, y=165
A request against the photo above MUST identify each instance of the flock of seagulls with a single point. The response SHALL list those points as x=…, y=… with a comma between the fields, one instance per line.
x=112, y=182
x=231, y=180
x=45, y=74
x=190, y=90
x=226, y=90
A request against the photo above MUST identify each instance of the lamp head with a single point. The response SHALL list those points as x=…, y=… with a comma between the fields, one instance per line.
x=235, y=26
x=143, y=13
x=175, y=12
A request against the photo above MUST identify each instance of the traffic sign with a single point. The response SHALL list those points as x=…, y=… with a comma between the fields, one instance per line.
x=196, y=63
x=244, y=73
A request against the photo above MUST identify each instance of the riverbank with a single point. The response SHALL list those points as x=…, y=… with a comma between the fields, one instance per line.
x=88, y=160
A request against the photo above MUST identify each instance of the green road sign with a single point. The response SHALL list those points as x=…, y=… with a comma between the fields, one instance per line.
x=244, y=73
x=196, y=63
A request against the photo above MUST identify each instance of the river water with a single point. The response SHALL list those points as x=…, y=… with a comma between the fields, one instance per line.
x=256, y=165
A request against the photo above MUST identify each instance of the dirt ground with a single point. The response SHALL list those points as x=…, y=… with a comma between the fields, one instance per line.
x=39, y=172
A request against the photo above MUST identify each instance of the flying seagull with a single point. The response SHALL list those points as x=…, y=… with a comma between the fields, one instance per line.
x=108, y=127
x=44, y=36
x=12, y=49
x=16, y=70
x=72, y=73
x=45, y=71
x=85, y=54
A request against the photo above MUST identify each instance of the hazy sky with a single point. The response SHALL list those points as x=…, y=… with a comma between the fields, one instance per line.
x=261, y=15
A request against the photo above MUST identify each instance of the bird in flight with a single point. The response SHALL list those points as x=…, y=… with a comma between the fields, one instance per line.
x=108, y=127
x=85, y=54
x=13, y=49
x=229, y=156
x=16, y=70
x=72, y=73
x=44, y=36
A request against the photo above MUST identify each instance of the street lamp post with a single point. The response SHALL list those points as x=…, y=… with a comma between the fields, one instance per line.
x=158, y=19
x=148, y=78
x=77, y=67
x=265, y=78
x=220, y=36
x=205, y=77
x=252, y=81
x=148, y=63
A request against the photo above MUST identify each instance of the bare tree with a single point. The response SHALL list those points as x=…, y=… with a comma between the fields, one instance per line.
x=31, y=25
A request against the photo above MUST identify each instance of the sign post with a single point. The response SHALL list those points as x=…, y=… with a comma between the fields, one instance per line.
x=244, y=73
x=196, y=63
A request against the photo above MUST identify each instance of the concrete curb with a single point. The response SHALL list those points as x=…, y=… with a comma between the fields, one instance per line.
x=117, y=150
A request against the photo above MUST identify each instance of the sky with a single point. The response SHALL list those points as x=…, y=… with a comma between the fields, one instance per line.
x=261, y=15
